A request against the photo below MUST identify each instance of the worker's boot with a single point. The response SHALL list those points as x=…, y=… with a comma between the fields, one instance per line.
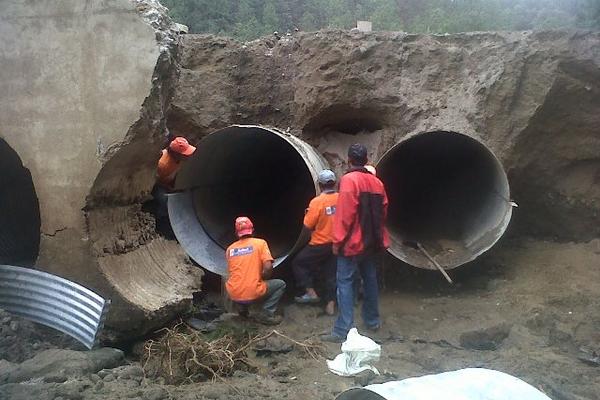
x=243, y=311
x=267, y=318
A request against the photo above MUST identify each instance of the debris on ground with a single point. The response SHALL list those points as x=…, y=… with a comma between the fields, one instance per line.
x=485, y=339
x=589, y=356
x=272, y=345
x=184, y=355
x=21, y=339
x=201, y=325
x=57, y=365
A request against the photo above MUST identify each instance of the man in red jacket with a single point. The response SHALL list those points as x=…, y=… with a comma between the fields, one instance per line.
x=358, y=235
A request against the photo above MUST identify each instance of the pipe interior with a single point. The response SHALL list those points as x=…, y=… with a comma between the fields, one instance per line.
x=249, y=171
x=19, y=211
x=446, y=191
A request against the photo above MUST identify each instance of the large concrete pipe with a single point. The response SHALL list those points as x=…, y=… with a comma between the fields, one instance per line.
x=447, y=192
x=243, y=170
x=19, y=211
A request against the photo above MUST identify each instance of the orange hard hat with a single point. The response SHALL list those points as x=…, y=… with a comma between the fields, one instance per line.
x=243, y=226
x=182, y=146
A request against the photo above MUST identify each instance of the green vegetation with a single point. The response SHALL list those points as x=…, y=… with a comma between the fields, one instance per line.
x=249, y=19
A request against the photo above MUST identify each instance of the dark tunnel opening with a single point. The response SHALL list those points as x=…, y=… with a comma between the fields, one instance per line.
x=249, y=171
x=256, y=175
x=449, y=193
x=19, y=211
x=344, y=119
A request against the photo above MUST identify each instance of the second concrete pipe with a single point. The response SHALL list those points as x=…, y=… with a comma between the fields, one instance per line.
x=447, y=191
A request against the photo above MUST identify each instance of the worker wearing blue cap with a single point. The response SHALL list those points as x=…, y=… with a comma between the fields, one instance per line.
x=317, y=257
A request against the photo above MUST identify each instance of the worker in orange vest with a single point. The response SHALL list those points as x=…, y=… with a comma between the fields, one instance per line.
x=318, y=255
x=249, y=265
x=169, y=164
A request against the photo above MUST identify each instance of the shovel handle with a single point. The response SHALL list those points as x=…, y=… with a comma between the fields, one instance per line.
x=420, y=246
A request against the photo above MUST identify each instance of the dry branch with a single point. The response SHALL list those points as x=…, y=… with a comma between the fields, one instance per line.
x=182, y=354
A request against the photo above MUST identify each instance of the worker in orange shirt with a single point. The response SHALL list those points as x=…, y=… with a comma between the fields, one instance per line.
x=249, y=265
x=318, y=255
x=168, y=166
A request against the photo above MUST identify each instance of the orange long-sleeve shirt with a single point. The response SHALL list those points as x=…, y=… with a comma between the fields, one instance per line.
x=167, y=169
x=319, y=218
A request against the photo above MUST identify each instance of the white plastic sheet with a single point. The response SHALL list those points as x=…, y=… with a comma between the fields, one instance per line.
x=357, y=352
x=464, y=384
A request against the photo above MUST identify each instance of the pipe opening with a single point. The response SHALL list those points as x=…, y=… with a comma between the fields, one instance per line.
x=344, y=119
x=448, y=192
x=243, y=170
x=19, y=211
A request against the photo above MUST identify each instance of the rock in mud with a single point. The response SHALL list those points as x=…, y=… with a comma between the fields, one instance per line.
x=272, y=346
x=283, y=371
x=68, y=363
x=134, y=372
x=364, y=378
x=589, y=356
x=157, y=393
x=5, y=365
x=485, y=339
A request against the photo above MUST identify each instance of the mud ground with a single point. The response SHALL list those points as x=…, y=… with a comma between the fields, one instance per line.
x=528, y=308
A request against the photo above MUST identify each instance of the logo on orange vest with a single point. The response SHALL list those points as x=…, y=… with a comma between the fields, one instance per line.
x=330, y=210
x=242, y=251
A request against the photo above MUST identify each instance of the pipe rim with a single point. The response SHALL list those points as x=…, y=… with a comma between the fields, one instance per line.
x=399, y=249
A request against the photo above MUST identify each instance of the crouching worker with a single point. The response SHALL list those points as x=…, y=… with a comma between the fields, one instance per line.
x=318, y=255
x=250, y=264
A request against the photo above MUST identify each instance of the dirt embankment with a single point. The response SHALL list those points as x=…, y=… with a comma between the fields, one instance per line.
x=532, y=98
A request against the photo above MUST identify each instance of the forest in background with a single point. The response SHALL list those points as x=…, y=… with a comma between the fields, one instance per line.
x=250, y=19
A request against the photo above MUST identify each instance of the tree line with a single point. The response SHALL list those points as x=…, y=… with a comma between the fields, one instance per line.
x=250, y=19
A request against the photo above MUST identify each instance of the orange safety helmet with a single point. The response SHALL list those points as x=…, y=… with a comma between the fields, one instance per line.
x=182, y=146
x=243, y=226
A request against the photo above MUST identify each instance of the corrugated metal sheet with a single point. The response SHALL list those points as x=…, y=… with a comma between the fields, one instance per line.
x=53, y=301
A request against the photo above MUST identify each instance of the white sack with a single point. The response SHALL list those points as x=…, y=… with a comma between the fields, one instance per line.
x=357, y=351
x=464, y=384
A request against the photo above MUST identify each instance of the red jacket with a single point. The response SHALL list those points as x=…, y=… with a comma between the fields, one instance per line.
x=361, y=211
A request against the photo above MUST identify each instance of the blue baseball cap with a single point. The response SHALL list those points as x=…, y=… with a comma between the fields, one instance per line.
x=326, y=176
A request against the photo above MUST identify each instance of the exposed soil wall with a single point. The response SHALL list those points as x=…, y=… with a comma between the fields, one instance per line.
x=532, y=98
